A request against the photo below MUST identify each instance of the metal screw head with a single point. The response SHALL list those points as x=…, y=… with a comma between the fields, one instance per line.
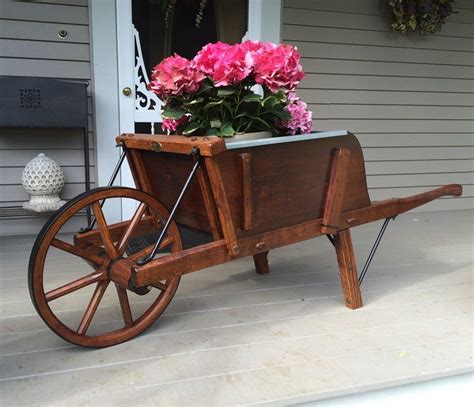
x=63, y=33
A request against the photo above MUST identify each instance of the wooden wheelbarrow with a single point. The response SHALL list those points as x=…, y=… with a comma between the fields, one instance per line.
x=240, y=198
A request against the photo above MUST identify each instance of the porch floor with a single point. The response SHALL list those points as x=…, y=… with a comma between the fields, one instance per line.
x=231, y=336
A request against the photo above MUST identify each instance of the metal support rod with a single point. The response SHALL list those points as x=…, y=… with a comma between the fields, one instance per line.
x=331, y=239
x=374, y=249
x=197, y=158
x=111, y=182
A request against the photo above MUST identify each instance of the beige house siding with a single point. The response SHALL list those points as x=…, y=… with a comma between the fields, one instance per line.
x=409, y=99
x=30, y=46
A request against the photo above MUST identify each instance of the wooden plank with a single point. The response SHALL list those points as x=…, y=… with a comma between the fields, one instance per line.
x=347, y=269
x=382, y=68
x=377, y=53
x=45, y=68
x=372, y=97
x=40, y=31
x=394, y=83
x=377, y=194
x=336, y=188
x=373, y=38
x=358, y=21
x=388, y=112
x=394, y=126
x=54, y=13
x=25, y=49
x=247, y=196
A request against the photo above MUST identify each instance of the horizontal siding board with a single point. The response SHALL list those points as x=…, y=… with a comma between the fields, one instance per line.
x=54, y=13
x=381, y=68
x=381, y=53
x=44, y=50
x=372, y=97
x=388, y=112
x=393, y=125
x=12, y=175
x=79, y=3
x=12, y=158
x=361, y=37
x=17, y=193
x=31, y=225
x=415, y=139
x=32, y=30
x=418, y=153
x=21, y=139
x=370, y=7
x=366, y=82
x=419, y=167
x=350, y=21
x=44, y=68
x=413, y=180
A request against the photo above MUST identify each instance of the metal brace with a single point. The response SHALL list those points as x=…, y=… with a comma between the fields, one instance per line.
x=197, y=161
x=372, y=251
x=91, y=224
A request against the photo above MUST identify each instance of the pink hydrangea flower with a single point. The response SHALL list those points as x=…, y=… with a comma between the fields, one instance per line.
x=234, y=66
x=175, y=75
x=301, y=118
x=206, y=59
x=278, y=67
x=171, y=125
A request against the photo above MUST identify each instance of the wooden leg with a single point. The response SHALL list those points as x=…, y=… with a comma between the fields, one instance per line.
x=261, y=263
x=348, y=269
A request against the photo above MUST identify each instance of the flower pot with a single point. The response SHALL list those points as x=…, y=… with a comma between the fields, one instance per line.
x=249, y=136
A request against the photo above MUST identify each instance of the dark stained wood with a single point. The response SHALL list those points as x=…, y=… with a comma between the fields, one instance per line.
x=222, y=203
x=247, y=208
x=211, y=209
x=395, y=206
x=335, y=192
x=347, y=269
x=261, y=263
x=252, y=200
x=208, y=146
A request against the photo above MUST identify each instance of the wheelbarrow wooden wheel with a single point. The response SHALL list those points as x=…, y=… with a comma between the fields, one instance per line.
x=70, y=279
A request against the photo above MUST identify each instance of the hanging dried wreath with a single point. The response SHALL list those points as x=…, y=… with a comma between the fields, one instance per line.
x=420, y=16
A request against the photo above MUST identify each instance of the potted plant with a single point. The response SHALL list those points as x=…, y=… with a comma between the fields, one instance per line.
x=216, y=92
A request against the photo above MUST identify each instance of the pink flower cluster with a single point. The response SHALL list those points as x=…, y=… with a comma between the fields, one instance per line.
x=301, y=118
x=171, y=125
x=175, y=75
x=274, y=66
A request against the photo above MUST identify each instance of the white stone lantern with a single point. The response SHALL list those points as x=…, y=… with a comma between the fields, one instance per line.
x=43, y=179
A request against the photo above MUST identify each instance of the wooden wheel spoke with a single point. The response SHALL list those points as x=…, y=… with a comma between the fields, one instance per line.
x=160, y=286
x=147, y=250
x=135, y=221
x=77, y=251
x=92, y=307
x=104, y=230
x=124, y=305
x=75, y=285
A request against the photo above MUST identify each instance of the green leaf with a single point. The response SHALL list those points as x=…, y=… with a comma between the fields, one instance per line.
x=259, y=121
x=270, y=101
x=195, y=101
x=173, y=113
x=227, y=130
x=213, y=104
x=213, y=132
x=280, y=112
x=191, y=128
x=215, y=123
x=252, y=98
x=225, y=91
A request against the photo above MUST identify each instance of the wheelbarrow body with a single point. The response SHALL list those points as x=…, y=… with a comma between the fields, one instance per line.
x=249, y=196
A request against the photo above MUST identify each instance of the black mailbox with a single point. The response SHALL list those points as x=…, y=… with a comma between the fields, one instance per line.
x=45, y=102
